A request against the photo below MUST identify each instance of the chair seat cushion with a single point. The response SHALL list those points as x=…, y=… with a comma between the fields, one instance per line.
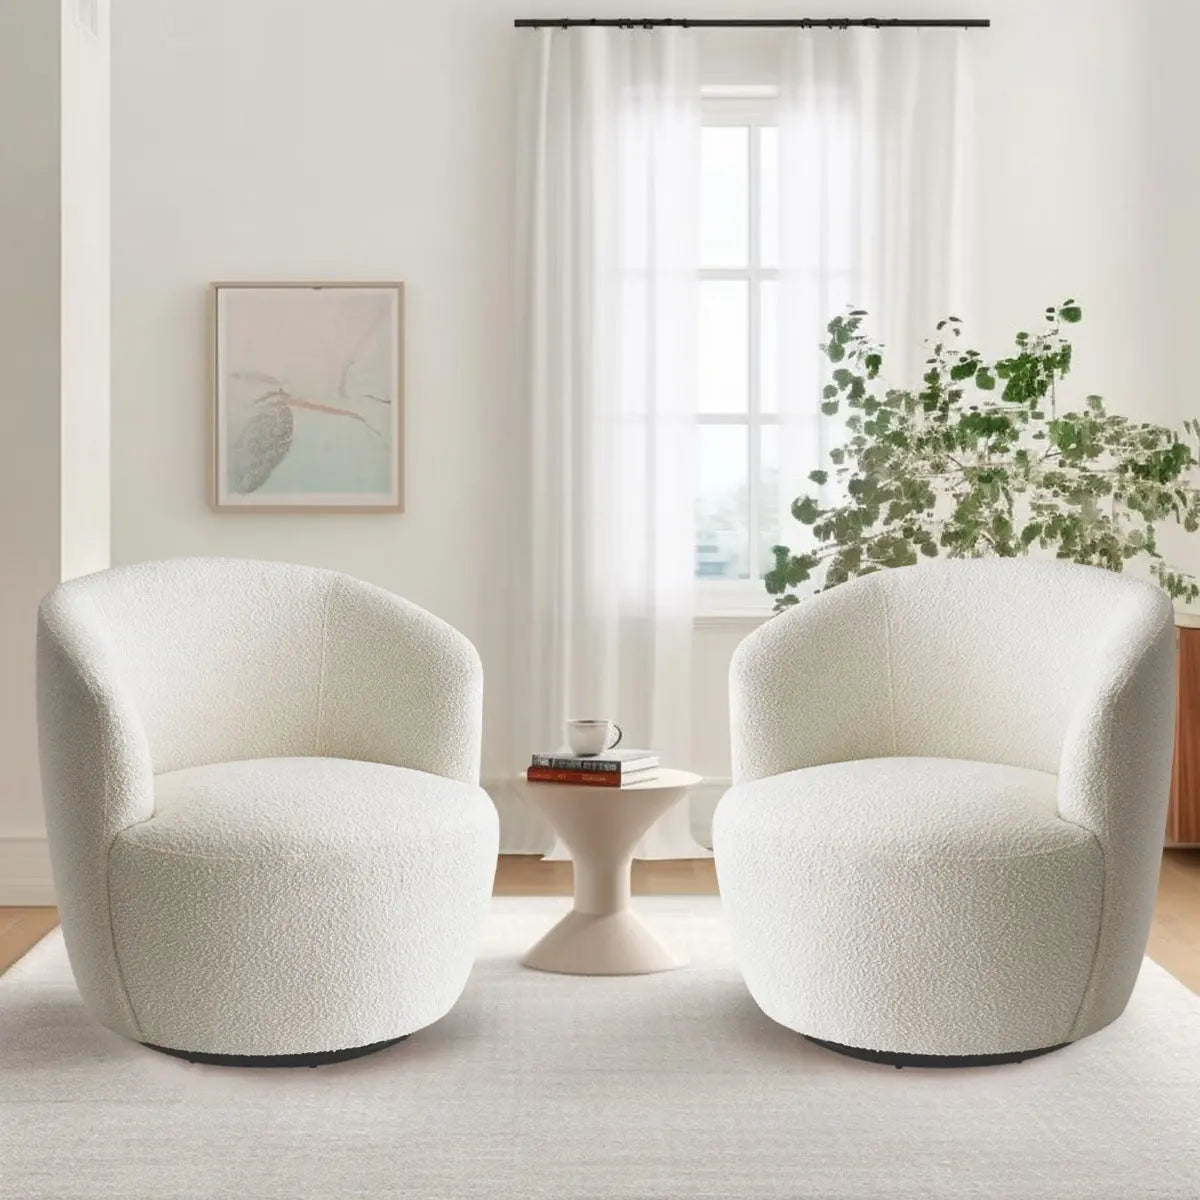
x=916, y=807
x=911, y=905
x=299, y=905
x=298, y=807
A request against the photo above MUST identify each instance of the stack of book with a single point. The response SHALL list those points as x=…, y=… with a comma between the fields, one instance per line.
x=610, y=769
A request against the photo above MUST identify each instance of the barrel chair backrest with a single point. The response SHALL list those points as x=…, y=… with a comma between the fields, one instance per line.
x=227, y=659
x=985, y=659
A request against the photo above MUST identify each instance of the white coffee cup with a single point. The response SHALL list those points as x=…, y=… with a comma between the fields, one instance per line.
x=588, y=738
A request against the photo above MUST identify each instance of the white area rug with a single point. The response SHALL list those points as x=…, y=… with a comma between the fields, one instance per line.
x=554, y=1086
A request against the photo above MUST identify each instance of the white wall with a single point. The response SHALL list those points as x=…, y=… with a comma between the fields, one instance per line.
x=54, y=347
x=374, y=138
x=1170, y=182
x=85, y=282
x=29, y=349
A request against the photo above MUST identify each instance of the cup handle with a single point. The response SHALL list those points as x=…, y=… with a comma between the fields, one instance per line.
x=617, y=740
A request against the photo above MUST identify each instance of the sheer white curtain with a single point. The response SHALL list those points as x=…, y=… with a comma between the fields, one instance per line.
x=875, y=170
x=609, y=171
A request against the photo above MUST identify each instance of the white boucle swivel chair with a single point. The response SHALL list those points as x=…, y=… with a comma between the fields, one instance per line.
x=261, y=787
x=950, y=784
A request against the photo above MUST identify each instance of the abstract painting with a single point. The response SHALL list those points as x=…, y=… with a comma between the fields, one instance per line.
x=308, y=397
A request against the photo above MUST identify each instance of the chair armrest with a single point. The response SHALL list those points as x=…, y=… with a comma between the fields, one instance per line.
x=1114, y=780
x=97, y=777
x=1115, y=767
x=97, y=780
x=398, y=685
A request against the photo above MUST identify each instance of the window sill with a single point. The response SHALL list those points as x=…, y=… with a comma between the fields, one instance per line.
x=733, y=618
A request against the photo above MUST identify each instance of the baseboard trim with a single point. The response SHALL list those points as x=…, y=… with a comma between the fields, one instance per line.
x=25, y=879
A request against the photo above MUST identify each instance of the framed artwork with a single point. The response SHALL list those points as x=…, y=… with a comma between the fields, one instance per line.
x=308, y=397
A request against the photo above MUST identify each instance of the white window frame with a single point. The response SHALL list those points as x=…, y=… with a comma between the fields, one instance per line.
x=743, y=108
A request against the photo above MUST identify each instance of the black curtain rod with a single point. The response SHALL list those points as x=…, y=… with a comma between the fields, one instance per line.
x=764, y=23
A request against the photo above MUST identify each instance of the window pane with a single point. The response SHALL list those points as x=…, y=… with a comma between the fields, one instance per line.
x=794, y=322
x=724, y=195
x=768, y=196
x=771, y=498
x=723, y=502
x=839, y=298
x=786, y=455
x=823, y=205
x=723, y=383
x=839, y=197
x=768, y=346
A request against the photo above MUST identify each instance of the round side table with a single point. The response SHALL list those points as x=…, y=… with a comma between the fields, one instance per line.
x=602, y=935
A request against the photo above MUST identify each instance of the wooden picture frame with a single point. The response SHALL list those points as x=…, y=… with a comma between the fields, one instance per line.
x=307, y=397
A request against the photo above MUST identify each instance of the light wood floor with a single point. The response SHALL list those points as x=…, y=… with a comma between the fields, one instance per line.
x=21, y=928
x=1174, y=936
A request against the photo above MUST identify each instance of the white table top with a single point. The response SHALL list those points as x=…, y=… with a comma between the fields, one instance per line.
x=663, y=777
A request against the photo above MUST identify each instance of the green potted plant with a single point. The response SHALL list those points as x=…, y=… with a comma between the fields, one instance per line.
x=979, y=461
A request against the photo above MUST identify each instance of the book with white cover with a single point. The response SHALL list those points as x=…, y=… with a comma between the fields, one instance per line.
x=623, y=760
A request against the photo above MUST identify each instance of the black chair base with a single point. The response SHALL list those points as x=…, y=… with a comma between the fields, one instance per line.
x=888, y=1058
x=320, y=1058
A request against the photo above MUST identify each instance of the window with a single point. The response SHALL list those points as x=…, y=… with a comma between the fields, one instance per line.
x=738, y=494
x=745, y=480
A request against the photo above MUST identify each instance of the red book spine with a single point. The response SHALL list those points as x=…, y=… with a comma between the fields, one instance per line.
x=587, y=778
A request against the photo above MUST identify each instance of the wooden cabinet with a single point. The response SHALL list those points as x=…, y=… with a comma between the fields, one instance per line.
x=1183, y=817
